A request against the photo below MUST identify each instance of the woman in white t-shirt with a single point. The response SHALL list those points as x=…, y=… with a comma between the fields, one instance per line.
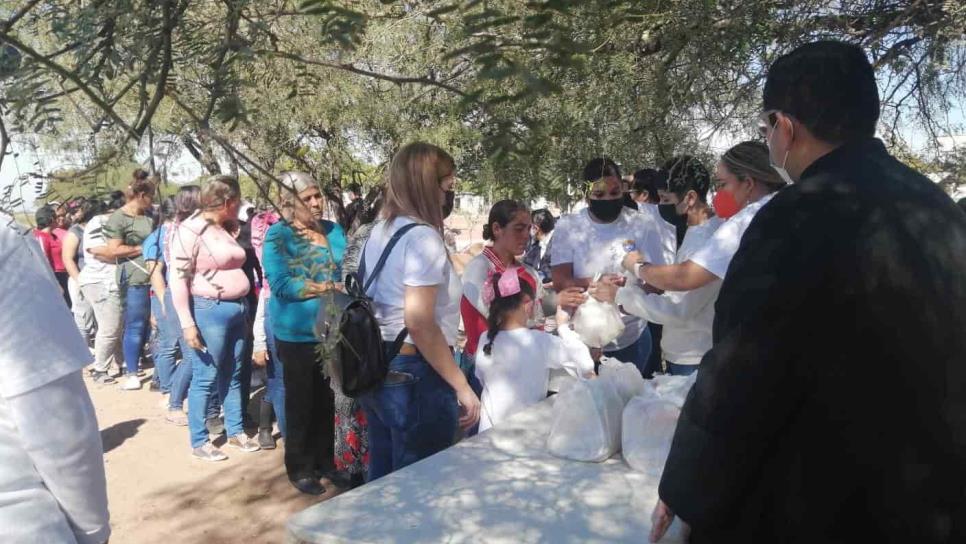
x=425, y=397
x=744, y=181
x=514, y=361
x=593, y=241
x=686, y=316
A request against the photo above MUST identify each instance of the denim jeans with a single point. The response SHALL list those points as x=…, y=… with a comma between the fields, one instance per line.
x=275, y=385
x=681, y=370
x=411, y=416
x=137, y=309
x=467, y=364
x=166, y=347
x=638, y=353
x=108, y=313
x=216, y=370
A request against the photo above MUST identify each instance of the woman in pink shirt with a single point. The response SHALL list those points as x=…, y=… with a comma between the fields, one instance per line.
x=208, y=289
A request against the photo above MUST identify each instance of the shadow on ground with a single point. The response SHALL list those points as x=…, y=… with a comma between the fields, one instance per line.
x=116, y=434
x=196, y=512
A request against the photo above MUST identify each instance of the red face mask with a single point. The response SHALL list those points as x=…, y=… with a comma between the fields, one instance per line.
x=725, y=205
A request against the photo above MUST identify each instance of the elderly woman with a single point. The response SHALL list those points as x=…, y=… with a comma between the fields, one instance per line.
x=302, y=259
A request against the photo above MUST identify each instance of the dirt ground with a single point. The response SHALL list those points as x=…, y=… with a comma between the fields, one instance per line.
x=158, y=493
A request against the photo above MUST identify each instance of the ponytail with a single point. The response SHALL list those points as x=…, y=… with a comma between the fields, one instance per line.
x=502, y=305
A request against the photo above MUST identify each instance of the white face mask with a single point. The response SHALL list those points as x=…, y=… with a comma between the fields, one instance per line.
x=782, y=172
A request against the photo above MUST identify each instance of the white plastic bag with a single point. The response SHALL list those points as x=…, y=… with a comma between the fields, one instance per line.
x=674, y=388
x=597, y=323
x=625, y=377
x=647, y=430
x=587, y=421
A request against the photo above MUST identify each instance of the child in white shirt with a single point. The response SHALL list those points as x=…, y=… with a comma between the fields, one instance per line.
x=514, y=362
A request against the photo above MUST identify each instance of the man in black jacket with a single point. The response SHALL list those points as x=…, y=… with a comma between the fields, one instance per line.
x=832, y=407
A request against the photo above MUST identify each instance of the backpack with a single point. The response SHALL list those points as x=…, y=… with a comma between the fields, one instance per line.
x=355, y=355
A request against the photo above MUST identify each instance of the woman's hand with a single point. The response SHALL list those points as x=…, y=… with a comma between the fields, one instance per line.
x=661, y=519
x=631, y=259
x=571, y=297
x=193, y=338
x=605, y=290
x=314, y=289
x=260, y=359
x=469, y=407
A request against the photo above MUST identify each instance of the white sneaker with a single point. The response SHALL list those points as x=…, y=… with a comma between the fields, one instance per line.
x=132, y=383
x=163, y=403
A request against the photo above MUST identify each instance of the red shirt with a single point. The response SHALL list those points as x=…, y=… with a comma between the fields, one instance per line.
x=46, y=241
x=57, y=259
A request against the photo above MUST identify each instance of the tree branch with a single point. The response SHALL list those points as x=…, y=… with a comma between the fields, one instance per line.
x=349, y=67
x=8, y=24
x=71, y=76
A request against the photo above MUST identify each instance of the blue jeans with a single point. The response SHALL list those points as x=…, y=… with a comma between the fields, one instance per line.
x=681, y=370
x=180, y=377
x=137, y=309
x=467, y=364
x=638, y=353
x=412, y=415
x=167, y=344
x=275, y=385
x=216, y=371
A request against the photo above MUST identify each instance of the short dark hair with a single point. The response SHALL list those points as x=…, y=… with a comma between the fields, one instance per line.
x=687, y=173
x=502, y=213
x=649, y=180
x=543, y=219
x=355, y=188
x=601, y=167
x=829, y=87
x=44, y=216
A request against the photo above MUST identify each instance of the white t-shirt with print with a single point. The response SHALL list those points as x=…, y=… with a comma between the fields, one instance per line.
x=39, y=345
x=418, y=260
x=516, y=374
x=716, y=255
x=598, y=248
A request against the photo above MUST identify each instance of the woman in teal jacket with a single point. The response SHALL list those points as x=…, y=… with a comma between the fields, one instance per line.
x=302, y=259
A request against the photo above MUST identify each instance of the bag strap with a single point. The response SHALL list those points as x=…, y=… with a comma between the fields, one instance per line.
x=382, y=258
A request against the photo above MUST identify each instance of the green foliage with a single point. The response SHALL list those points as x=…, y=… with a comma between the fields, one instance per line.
x=521, y=93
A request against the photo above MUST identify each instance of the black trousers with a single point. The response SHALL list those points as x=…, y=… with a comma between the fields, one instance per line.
x=309, y=412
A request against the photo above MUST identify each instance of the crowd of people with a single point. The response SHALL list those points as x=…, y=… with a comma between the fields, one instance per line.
x=815, y=284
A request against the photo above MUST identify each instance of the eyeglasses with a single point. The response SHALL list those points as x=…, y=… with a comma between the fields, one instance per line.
x=766, y=121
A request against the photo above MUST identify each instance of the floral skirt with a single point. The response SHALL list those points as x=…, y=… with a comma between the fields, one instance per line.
x=351, y=435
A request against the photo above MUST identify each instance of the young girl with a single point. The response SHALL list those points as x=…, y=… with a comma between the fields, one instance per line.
x=514, y=362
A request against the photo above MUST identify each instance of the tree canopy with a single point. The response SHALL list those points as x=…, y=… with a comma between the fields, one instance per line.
x=521, y=93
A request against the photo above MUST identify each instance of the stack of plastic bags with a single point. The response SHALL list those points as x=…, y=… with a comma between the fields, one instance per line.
x=595, y=419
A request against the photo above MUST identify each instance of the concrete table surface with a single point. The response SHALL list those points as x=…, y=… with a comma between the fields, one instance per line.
x=499, y=486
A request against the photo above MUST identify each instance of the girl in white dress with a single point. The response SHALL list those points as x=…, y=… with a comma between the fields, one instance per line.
x=514, y=363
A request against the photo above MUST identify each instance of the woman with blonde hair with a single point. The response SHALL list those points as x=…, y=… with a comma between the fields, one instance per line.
x=302, y=259
x=208, y=289
x=425, y=397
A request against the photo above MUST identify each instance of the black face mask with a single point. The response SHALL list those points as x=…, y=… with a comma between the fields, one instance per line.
x=448, y=205
x=606, y=210
x=629, y=201
x=668, y=213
